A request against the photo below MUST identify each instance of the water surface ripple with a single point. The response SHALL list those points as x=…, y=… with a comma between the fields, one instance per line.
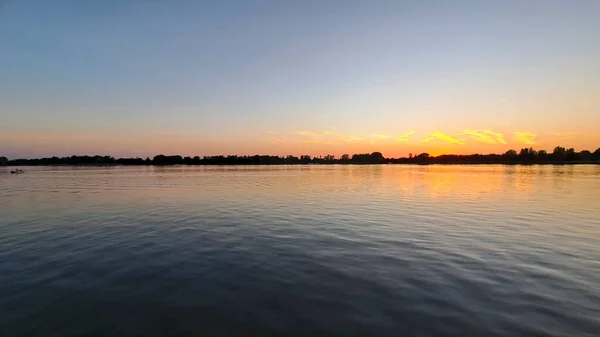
x=384, y=250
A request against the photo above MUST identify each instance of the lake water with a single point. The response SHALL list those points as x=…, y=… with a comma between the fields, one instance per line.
x=315, y=250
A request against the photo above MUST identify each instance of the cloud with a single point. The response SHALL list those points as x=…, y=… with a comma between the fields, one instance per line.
x=326, y=133
x=443, y=137
x=332, y=133
x=379, y=136
x=310, y=137
x=355, y=139
x=316, y=141
x=485, y=136
x=405, y=136
x=275, y=136
x=525, y=137
x=307, y=134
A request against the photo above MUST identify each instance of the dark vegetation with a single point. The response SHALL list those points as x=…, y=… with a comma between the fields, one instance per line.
x=560, y=155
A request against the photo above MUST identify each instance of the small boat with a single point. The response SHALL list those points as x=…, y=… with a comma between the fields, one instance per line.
x=17, y=171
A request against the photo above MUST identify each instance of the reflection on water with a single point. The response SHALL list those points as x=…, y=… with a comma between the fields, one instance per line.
x=382, y=250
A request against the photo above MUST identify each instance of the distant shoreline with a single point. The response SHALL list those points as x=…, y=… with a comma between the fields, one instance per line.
x=527, y=156
x=320, y=164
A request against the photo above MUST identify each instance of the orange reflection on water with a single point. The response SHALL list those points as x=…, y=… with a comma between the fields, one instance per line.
x=338, y=186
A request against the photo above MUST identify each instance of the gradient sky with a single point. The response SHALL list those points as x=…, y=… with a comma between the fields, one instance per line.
x=138, y=78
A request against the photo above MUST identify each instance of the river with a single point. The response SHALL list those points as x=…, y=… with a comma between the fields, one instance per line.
x=370, y=250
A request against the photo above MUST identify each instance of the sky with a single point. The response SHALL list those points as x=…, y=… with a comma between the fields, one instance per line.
x=141, y=77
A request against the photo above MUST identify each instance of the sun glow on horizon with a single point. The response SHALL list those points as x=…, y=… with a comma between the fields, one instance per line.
x=315, y=143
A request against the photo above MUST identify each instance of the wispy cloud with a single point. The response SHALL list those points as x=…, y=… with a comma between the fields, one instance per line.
x=324, y=137
x=307, y=134
x=275, y=136
x=312, y=134
x=332, y=133
x=355, y=139
x=316, y=141
x=485, y=136
x=405, y=136
x=443, y=137
x=380, y=136
x=525, y=137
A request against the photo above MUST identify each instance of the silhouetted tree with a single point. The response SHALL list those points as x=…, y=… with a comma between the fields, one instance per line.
x=585, y=155
x=292, y=159
x=3, y=161
x=167, y=160
x=559, y=153
x=159, y=160
x=526, y=155
x=511, y=154
x=130, y=161
x=377, y=156
x=571, y=155
x=368, y=158
x=305, y=159
x=422, y=158
x=542, y=154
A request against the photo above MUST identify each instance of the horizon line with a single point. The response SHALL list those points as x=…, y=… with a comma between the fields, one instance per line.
x=332, y=157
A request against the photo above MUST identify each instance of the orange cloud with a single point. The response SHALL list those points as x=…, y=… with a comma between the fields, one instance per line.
x=405, y=136
x=326, y=133
x=443, y=137
x=307, y=134
x=274, y=136
x=355, y=139
x=525, y=137
x=332, y=133
x=379, y=136
x=485, y=136
x=316, y=141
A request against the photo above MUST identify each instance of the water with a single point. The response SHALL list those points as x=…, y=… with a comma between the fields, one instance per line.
x=301, y=250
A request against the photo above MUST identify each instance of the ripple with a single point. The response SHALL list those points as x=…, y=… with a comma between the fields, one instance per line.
x=344, y=250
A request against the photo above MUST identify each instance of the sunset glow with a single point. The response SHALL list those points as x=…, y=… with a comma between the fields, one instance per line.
x=316, y=78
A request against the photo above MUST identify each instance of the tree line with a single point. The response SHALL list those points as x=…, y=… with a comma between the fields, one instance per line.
x=525, y=156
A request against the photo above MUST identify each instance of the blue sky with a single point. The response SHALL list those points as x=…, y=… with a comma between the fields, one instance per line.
x=207, y=77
